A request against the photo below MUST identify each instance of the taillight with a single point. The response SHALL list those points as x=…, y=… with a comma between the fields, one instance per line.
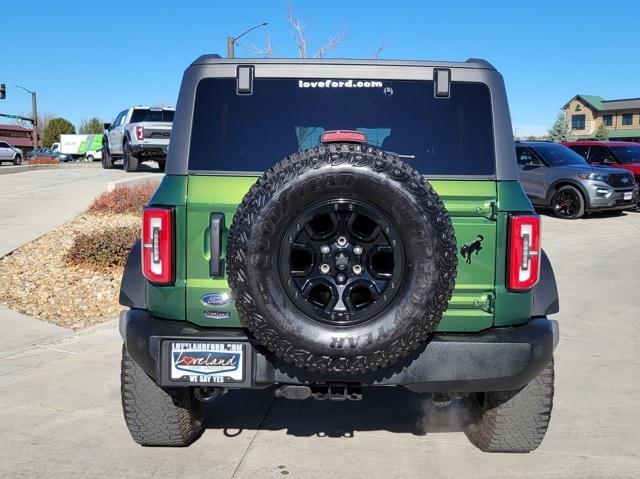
x=524, y=252
x=157, y=245
x=347, y=136
x=140, y=132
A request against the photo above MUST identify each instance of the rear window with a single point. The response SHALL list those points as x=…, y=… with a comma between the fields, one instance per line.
x=147, y=114
x=249, y=133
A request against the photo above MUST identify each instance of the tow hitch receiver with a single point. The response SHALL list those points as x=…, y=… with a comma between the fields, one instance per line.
x=321, y=392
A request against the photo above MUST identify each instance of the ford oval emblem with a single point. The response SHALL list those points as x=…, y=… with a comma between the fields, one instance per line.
x=215, y=299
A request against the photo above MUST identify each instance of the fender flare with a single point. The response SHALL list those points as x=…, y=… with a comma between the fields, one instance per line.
x=545, y=293
x=133, y=288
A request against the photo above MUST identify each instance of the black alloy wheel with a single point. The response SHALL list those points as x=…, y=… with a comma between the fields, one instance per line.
x=341, y=262
x=568, y=203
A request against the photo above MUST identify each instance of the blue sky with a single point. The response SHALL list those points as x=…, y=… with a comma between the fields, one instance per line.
x=94, y=59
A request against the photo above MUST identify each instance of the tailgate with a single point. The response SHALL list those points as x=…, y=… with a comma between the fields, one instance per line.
x=471, y=204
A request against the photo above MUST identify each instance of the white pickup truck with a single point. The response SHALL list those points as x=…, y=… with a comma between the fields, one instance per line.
x=138, y=134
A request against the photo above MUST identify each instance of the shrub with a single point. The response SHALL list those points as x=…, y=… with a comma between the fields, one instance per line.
x=43, y=160
x=103, y=249
x=124, y=199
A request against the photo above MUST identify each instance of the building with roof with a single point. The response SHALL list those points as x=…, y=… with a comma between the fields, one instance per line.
x=621, y=118
x=18, y=136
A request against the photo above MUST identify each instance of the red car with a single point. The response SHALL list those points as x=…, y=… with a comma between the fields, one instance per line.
x=614, y=154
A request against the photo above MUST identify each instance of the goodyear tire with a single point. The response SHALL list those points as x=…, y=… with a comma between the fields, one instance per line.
x=155, y=416
x=347, y=210
x=512, y=421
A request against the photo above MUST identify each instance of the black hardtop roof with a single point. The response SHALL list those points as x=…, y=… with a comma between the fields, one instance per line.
x=212, y=59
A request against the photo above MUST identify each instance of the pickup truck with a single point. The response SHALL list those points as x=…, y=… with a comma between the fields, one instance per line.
x=139, y=133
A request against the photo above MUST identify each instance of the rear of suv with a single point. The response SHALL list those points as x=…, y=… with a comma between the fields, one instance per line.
x=325, y=226
x=555, y=176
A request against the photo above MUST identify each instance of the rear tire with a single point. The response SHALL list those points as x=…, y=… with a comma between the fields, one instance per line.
x=512, y=421
x=129, y=162
x=107, y=161
x=17, y=160
x=161, y=165
x=156, y=416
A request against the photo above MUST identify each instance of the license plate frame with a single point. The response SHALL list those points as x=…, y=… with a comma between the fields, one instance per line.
x=214, y=363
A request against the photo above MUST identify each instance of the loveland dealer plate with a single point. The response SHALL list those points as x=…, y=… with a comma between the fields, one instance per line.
x=206, y=362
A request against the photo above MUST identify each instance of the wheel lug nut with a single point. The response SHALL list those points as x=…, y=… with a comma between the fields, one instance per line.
x=342, y=241
x=324, y=268
x=357, y=269
x=341, y=267
x=340, y=278
x=325, y=249
x=357, y=250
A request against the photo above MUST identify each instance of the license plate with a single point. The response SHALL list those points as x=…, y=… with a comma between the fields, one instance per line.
x=206, y=362
x=628, y=196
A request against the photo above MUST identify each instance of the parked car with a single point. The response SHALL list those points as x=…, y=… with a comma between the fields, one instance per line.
x=614, y=154
x=553, y=175
x=47, y=153
x=137, y=134
x=10, y=153
x=294, y=242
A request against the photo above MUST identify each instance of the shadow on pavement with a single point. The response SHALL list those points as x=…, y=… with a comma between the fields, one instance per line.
x=381, y=409
x=142, y=167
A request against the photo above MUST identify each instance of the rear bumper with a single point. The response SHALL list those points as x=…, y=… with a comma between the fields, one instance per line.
x=498, y=359
x=149, y=150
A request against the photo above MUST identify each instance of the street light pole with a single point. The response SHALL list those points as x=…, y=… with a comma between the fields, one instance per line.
x=34, y=109
x=34, y=115
x=231, y=41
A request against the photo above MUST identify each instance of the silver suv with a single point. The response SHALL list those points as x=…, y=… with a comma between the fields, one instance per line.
x=10, y=153
x=555, y=176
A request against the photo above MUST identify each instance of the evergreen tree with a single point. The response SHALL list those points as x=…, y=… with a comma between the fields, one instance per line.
x=560, y=130
x=54, y=129
x=601, y=133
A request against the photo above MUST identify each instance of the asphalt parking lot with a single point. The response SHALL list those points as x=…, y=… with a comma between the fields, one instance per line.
x=60, y=410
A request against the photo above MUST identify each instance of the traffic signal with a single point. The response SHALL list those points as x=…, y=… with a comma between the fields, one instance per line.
x=3, y=91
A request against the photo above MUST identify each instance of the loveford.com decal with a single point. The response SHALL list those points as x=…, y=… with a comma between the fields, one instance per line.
x=340, y=84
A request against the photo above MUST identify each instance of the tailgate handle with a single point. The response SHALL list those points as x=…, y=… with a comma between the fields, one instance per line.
x=216, y=225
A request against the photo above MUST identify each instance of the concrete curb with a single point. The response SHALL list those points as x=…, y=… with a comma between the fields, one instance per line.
x=8, y=170
x=136, y=180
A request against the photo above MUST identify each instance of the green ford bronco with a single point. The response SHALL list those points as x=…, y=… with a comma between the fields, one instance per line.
x=330, y=225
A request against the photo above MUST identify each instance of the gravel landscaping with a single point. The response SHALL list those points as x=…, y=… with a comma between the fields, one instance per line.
x=38, y=281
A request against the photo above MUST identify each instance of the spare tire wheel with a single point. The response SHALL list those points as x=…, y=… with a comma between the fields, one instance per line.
x=341, y=258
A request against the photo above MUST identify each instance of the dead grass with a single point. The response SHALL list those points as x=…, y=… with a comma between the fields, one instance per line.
x=43, y=160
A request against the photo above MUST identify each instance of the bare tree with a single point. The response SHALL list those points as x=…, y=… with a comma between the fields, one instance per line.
x=297, y=26
x=43, y=121
x=266, y=50
x=383, y=44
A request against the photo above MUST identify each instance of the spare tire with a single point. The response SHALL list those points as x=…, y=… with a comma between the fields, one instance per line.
x=341, y=259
